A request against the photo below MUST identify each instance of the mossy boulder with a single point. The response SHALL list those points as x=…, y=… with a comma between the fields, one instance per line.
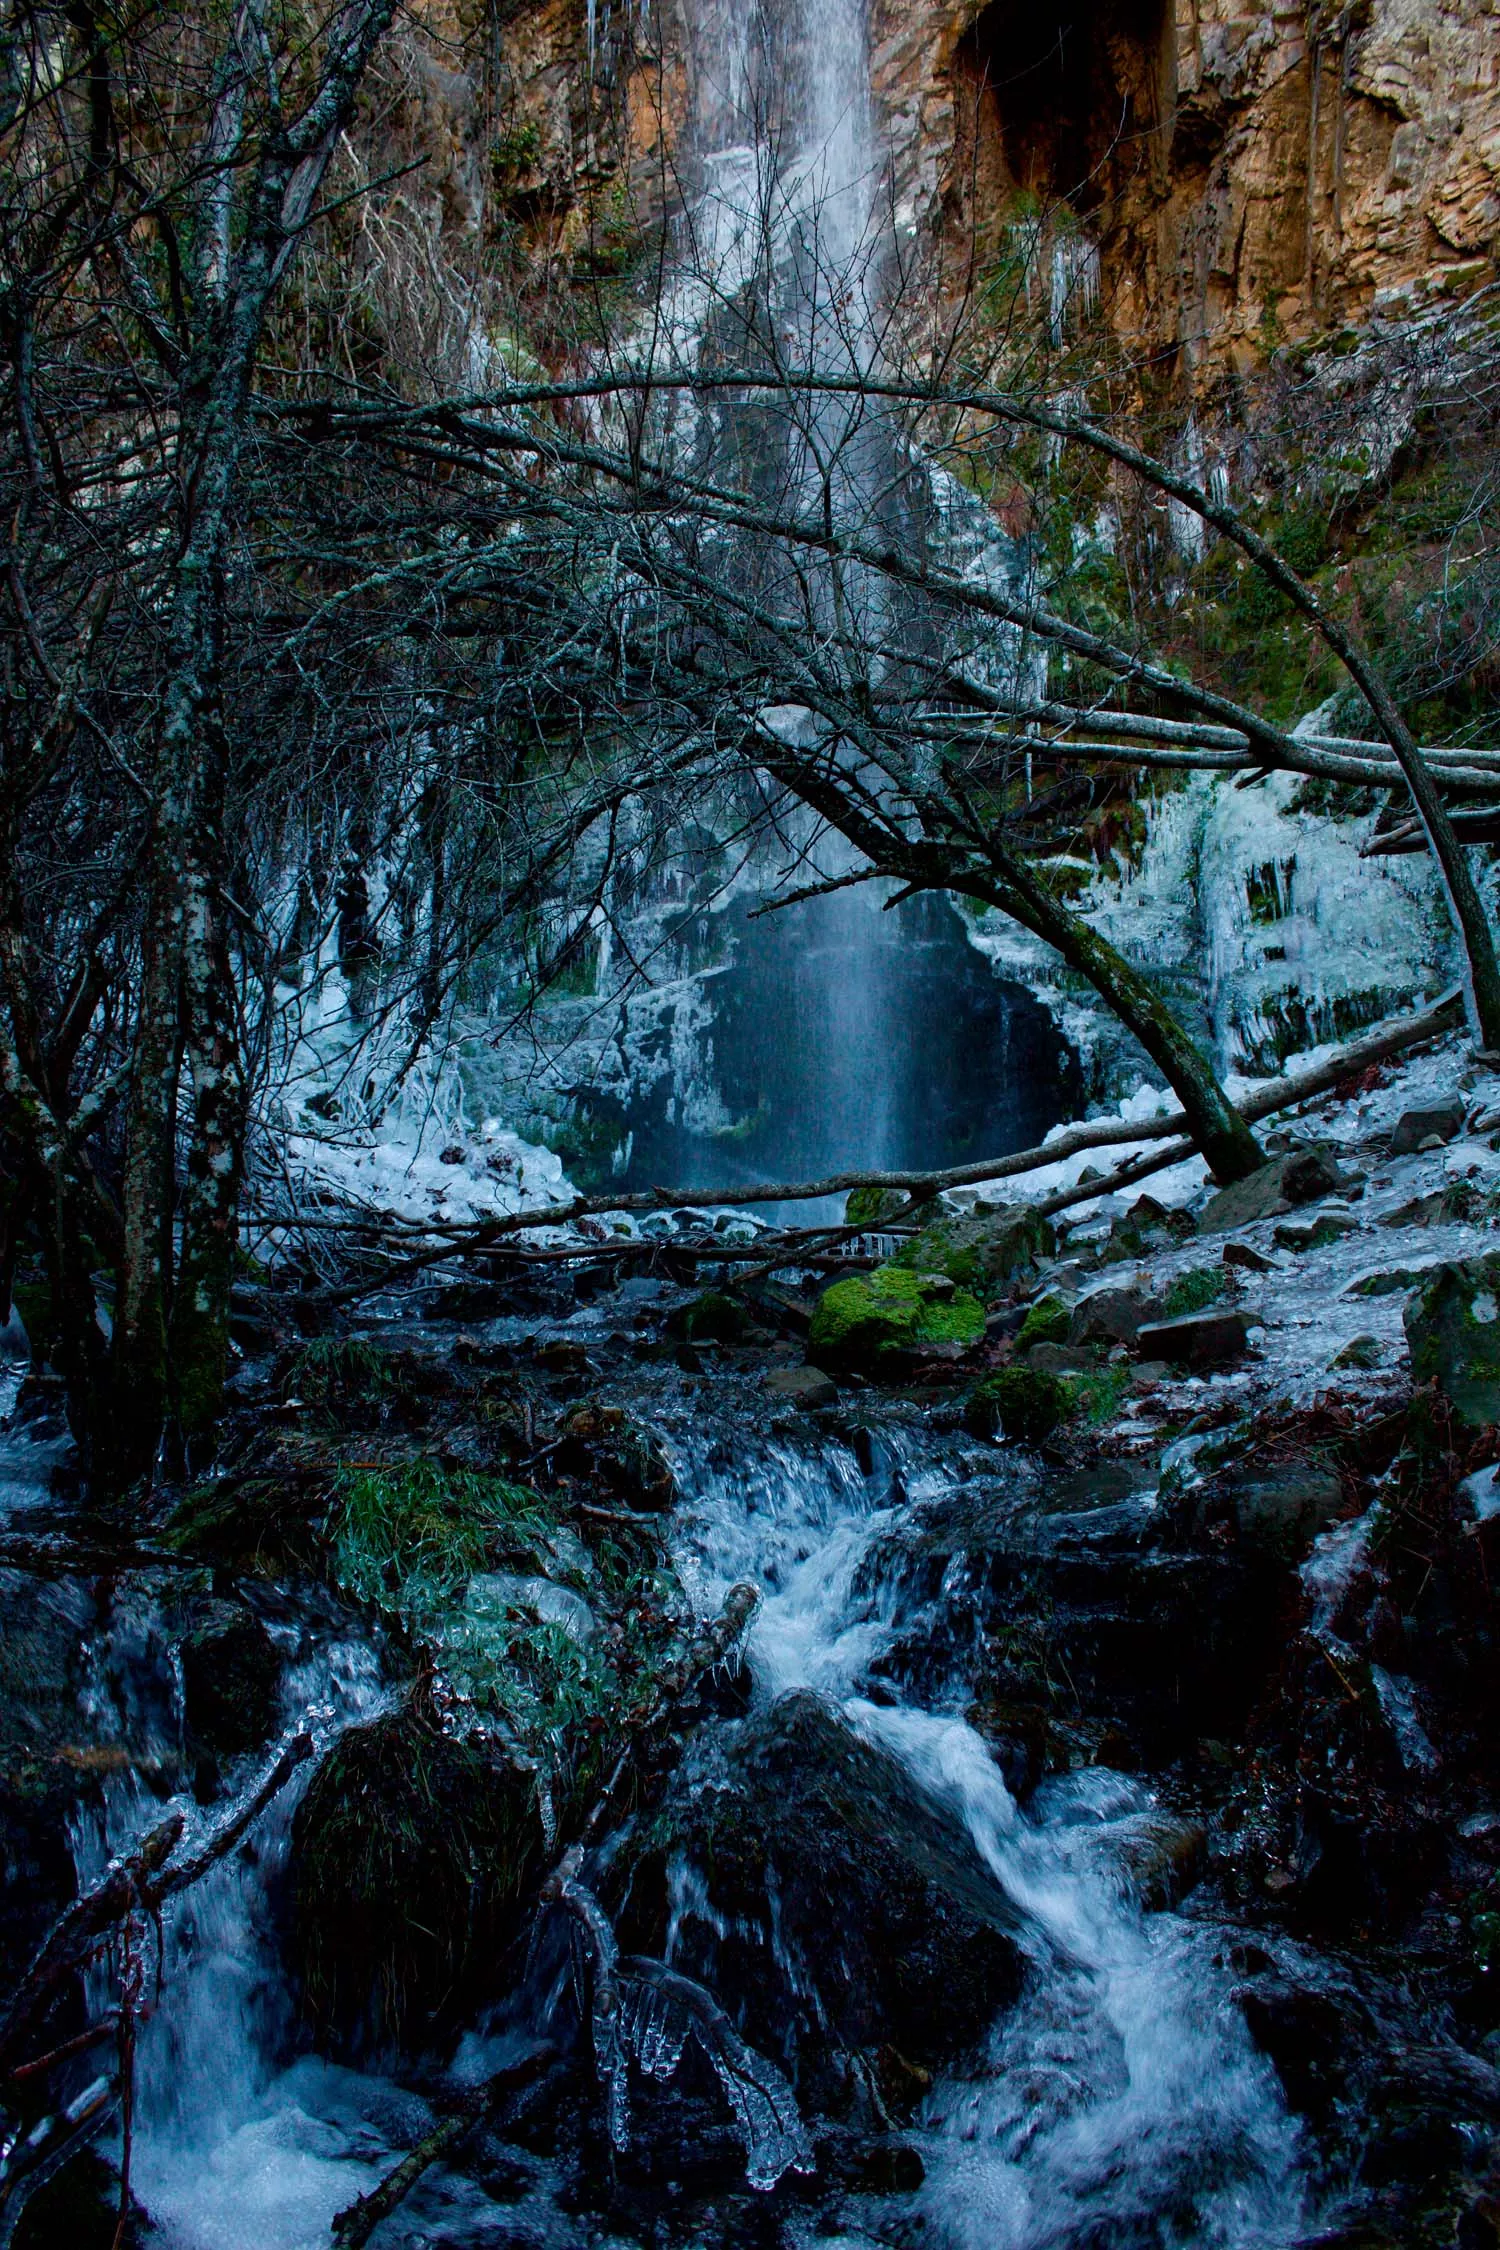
x=230, y=1677
x=412, y=1856
x=871, y=1206
x=1046, y=1322
x=1025, y=1404
x=889, y=1315
x=709, y=1318
x=982, y=1249
x=1453, y=1328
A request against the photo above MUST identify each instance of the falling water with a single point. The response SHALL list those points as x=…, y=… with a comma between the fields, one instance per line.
x=1121, y=2099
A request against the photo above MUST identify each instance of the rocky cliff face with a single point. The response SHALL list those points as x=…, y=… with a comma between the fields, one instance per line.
x=1248, y=176
x=1241, y=177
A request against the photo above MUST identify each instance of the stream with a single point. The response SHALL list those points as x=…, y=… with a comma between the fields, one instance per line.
x=1118, y=2100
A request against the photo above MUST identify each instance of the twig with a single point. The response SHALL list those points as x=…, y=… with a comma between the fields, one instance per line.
x=142, y=1880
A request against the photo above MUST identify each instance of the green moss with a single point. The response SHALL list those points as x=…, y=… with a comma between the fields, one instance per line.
x=408, y=1537
x=983, y=1249
x=411, y=1853
x=888, y=1313
x=1191, y=1291
x=867, y=1206
x=1094, y=1398
x=341, y=1371
x=1024, y=1404
x=711, y=1318
x=1046, y=1322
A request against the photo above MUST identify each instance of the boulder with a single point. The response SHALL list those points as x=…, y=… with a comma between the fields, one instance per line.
x=892, y=1314
x=1046, y=1322
x=1361, y=1353
x=1300, y=1176
x=1281, y=1514
x=1160, y=1856
x=1110, y=1316
x=802, y=1386
x=1247, y=1258
x=1202, y=1339
x=1453, y=1328
x=410, y=1860
x=710, y=1318
x=1024, y=1404
x=842, y=1911
x=984, y=1248
x=1435, y=1121
x=231, y=1676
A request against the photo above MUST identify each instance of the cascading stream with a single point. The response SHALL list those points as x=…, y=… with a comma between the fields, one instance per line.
x=1120, y=2100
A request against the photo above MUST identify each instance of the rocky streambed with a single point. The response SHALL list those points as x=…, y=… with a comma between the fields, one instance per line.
x=1003, y=1755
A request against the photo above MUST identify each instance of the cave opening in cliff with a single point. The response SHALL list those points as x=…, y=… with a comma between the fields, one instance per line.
x=1067, y=99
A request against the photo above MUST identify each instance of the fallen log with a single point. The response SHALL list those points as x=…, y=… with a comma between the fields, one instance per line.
x=464, y=1239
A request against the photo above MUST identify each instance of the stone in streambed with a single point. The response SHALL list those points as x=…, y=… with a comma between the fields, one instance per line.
x=231, y=1675
x=892, y=1314
x=802, y=1386
x=984, y=1248
x=1024, y=1404
x=1204, y=1339
x=1301, y=1176
x=1453, y=1328
x=845, y=1910
x=1110, y=1316
x=1417, y=1128
x=1160, y=1857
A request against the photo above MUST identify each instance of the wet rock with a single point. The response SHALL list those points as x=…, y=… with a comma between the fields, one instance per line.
x=231, y=1676
x=1438, y=1122
x=1147, y=1225
x=1247, y=1258
x=802, y=1386
x=1361, y=1354
x=411, y=1854
x=1281, y=1514
x=600, y=1445
x=1387, y=1281
x=1319, y=1234
x=1110, y=1316
x=1045, y=1322
x=985, y=1247
x=1308, y=2037
x=710, y=1318
x=1160, y=1856
x=1025, y=1404
x=1453, y=1329
x=1301, y=1176
x=1064, y=1359
x=890, y=1315
x=841, y=1912
x=1203, y=1339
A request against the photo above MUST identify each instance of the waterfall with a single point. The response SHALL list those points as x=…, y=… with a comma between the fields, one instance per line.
x=1123, y=2084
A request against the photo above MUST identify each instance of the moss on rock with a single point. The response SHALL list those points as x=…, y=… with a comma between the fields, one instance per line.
x=411, y=1856
x=1046, y=1322
x=891, y=1314
x=982, y=1249
x=1453, y=1328
x=1025, y=1404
